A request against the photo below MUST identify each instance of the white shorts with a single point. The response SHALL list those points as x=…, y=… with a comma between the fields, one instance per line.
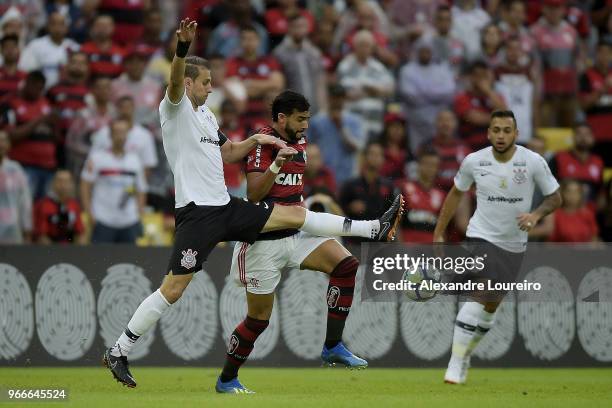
x=258, y=266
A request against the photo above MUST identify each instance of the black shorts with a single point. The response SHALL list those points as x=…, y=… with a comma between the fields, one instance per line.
x=199, y=228
x=499, y=265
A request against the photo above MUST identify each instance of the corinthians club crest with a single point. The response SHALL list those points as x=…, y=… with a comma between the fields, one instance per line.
x=188, y=260
x=520, y=176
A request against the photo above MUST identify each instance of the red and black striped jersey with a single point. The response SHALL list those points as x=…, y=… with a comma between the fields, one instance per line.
x=289, y=184
x=104, y=62
x=67, y=99
x=9, y=83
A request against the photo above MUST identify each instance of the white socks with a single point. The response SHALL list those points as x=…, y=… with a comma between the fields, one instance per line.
x=148, y=313
x=472, y=323
x=329, y=225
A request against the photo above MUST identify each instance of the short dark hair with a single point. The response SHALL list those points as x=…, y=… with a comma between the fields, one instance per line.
x=504, y=114
x=478, y=64
x=125, y=98
x=443, y=8
x=193, y=64
x=425, y=150
x=37, y=76
x=249, y=27
x=288, y=102
x=9, y=37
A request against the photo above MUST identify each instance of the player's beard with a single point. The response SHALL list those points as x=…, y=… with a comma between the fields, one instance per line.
x=291, y=134
x=504, y=150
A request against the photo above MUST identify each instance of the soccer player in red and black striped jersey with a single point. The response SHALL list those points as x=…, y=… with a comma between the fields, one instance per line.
x=276, y=177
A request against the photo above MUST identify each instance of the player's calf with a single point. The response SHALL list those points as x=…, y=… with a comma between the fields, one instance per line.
x=240, y=345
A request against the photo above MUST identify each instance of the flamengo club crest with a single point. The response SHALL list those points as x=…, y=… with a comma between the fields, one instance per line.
x=188, y=260
x=520, y=176
x=233, y=344
x=333, y=294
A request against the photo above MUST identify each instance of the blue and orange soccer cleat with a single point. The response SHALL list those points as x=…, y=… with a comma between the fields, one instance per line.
x=231, y=387
x=339, y=354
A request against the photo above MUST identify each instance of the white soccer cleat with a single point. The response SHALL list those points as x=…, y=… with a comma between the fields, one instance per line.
x=457, y=370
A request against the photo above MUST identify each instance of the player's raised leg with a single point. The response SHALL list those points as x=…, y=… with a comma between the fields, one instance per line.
x=333, y=259
x=241, y=342
x=329, y=225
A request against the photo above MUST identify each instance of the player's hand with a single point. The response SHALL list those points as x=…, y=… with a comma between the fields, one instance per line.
x=186, y=31
x=263, y=139
x=526, y=221
x=284, y=155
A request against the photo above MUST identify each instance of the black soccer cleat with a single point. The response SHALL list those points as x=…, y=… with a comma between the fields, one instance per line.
x=120, y=368
x=389, y=221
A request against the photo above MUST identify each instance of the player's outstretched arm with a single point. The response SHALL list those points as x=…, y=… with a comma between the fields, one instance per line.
x=235, y=152
x=259, y=184
x=184, y=36
x=447, y=213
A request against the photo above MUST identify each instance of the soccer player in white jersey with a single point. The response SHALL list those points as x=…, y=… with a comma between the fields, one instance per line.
x=205, y=212
x=505, y=176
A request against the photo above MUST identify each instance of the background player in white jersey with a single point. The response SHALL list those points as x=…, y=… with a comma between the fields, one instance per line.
x=273, y=178
x=505, y=176
x=205, y=212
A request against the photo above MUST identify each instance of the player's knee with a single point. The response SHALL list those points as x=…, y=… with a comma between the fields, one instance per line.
x=293, y=216
x=172, y=291
x=491, y=307
x=346, y=268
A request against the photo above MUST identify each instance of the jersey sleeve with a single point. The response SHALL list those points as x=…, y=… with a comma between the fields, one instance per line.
x=260, y=158
x=168, y=109
x=465, y=177
x=546, y=182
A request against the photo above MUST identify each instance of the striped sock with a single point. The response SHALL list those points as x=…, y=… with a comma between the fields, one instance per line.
x=240, y=346
x=339, y=298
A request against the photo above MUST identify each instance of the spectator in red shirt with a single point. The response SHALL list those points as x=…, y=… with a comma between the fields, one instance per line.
x=574, y=221
x=152, y=34
x=369, y=193
x=514, y=16
x=580, y=164
x=475, y=104
x=57, y=217
x=68, y=97
x=323, y=38
x=105, y=56
x=10, y=77
x=260, y=75
x=449, y=148
x=557, y=45
x=235, y=132
x=317, y=177
x=277, y=19
x=394, y=140
x=596, y=93
x=31, y=126
x=423, y=199
x=128, y=16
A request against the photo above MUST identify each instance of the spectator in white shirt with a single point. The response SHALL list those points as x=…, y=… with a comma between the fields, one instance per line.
x=367, y=81
x=468, y=21
x=113, y=190
x=426, y=87
x=50, y=52
x=139, y=139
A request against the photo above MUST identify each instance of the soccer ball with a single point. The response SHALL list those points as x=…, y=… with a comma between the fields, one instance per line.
x=422, y=274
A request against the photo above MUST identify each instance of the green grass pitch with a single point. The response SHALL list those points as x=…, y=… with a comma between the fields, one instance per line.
x=320, y=388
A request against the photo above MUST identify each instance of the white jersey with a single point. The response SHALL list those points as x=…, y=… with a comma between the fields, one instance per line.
x=192, y=143
x=503, y=191
x=140, y=141
x=116, y=180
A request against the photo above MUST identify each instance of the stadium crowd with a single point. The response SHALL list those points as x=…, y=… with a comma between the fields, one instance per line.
x=401, y=91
